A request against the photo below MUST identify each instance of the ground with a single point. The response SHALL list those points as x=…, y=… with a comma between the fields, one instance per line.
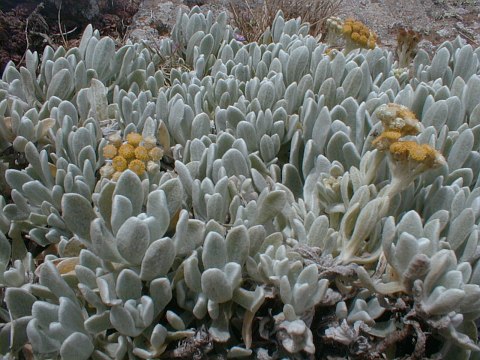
x=24, y=23
x=437, y=21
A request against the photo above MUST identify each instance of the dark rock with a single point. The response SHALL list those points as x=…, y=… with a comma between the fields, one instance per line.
x=192, y=3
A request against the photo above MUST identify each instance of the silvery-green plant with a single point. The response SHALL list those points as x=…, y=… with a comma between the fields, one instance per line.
x=279, y=204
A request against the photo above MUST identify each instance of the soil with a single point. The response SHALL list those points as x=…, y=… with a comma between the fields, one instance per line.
x=27, y=24
x=435, y=20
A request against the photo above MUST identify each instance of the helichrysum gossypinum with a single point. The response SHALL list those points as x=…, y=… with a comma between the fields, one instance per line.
x=136, y=154
x=137, y=166
x=410, y=150
x=406, y=159
x=355, y=34
x=141, y=153
x=110, y=151
x=127, y=151
x=359, y=34
x=385, y=139
x=119, y=163
x=134, y=139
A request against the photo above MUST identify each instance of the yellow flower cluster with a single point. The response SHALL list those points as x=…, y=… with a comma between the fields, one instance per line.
x=410, y=150
x=359, y=33
x=136, y=154
x=398, y=121
x=385, y=139
x=406, y=158
x=355, y=34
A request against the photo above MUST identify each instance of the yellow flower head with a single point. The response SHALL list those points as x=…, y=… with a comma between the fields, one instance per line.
x=420, y=153
x=357, y=26
x=401, y=149
x=109, y=151
x=363, y=40
x=347, y=29
x=127, y=151
x=119, y=163
x=156, y=154
x=134, y=139
x=141, y=153
x=385, y=139
x=359, y=33
x=137, y=166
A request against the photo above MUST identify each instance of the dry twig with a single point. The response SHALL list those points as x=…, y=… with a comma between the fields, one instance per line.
x=253, y=18
x=60, y=25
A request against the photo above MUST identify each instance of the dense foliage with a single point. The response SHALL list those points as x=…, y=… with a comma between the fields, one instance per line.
x=263, y=200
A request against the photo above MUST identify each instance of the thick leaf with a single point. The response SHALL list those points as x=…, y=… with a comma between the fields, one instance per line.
x=19, y=302
x=78, y=214
x=216, y=286
x=158, y=259
x=123, y=321
x=237, y=244
x=77, y=346
x=130, y=186
x=103, y=241
x=50, y=277
x=129, y=285
x=214, y=254
x=133, y=239
x=297, y=64
x=61, y=85
x=270, y=205
x=161, y=293
x=460, y=150
x=70, y=315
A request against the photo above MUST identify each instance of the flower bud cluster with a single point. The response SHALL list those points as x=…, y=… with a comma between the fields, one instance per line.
x=406, y=158
x=136, y=154
x=354, y=33
x=357, y=34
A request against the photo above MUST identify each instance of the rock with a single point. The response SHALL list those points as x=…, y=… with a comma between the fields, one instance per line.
x=192, y=3
x=444, y=33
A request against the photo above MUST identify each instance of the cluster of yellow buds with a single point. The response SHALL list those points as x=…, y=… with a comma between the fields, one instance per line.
x=407, y=159
x=355, y=34
x=419, y=153
x=358, y=35
x=407, y=41
x=136, y=154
